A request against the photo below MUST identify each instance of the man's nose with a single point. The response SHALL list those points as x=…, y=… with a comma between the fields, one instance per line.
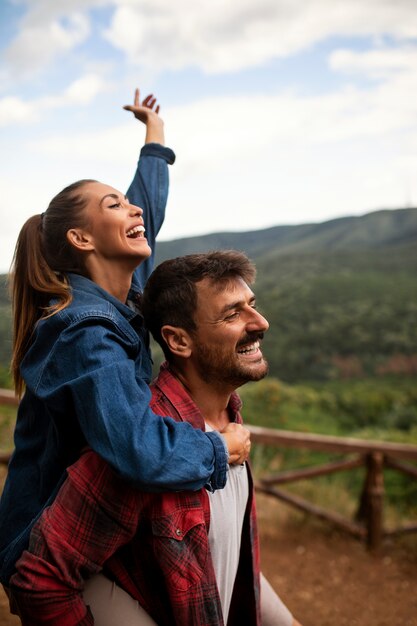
x=257, y=322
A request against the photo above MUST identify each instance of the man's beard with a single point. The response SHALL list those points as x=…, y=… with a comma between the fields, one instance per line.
x=216, y=366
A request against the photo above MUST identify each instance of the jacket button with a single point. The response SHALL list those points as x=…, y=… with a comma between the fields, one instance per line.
x=178, y=532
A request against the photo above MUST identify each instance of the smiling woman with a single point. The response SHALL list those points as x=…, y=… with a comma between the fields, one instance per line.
x=81, y=351
x=111, y=243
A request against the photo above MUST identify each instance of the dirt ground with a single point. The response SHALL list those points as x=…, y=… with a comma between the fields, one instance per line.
x=325, y=577
x=328, y=578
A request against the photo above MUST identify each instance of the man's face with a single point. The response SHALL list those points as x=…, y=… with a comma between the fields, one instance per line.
x=226, y=344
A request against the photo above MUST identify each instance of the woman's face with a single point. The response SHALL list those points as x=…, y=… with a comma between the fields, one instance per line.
x=115, y=229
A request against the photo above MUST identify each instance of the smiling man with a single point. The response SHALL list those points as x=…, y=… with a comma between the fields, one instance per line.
x=189, y=558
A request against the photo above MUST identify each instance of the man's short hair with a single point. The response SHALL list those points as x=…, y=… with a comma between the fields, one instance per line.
x=170, y=295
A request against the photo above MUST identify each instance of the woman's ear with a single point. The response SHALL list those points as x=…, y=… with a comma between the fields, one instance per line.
x=80, y=239
x=177, y=340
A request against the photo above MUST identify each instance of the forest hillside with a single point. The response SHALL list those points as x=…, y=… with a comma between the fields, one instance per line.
x=340, y=296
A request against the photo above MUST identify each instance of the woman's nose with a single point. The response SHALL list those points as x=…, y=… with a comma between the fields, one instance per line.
x=135, y=210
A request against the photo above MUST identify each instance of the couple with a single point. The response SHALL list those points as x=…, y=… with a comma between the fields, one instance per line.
x=182, y=555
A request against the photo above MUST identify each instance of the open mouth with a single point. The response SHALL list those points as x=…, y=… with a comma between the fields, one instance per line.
x=136, y=232
x=249, y=348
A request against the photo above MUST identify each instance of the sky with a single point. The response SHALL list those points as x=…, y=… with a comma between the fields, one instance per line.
x=279, y=111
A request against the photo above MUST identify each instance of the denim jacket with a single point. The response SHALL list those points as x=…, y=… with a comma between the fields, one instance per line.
x=87, y=374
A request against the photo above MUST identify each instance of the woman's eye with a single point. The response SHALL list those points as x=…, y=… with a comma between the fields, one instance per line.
x=116, y=205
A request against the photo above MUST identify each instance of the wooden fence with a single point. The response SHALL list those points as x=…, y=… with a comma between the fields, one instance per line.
x=375, y=456
x=7, y=397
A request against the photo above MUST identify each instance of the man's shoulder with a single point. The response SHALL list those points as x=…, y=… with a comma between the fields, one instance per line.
x=165, y=394
x=169, y=397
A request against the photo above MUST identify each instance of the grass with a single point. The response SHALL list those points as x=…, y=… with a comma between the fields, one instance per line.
x=7, y=422
x=382, y=410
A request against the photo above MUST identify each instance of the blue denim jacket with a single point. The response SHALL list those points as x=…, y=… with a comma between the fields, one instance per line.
x=87, y=374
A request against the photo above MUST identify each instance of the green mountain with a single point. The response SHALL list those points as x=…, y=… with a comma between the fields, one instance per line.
x=340, y=296
x=380, y=228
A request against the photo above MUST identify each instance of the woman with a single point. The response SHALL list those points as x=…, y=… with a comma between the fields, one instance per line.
x=82, y=353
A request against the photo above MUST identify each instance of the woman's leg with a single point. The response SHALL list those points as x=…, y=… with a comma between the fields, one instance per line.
x=273, y=610
x=111, y=605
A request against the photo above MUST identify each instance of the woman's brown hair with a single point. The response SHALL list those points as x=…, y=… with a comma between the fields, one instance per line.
x=42, y=258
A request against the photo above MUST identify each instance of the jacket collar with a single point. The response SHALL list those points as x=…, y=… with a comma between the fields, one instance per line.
x=85, y=285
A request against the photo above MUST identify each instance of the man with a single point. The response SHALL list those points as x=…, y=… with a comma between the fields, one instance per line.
x=189, y=558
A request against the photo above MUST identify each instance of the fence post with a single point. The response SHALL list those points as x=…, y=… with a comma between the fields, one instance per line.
x=371, y=504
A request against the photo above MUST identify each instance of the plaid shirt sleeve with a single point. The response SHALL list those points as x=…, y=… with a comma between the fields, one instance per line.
x=95, y=513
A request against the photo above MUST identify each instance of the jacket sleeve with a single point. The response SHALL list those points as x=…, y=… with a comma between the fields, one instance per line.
x=149, y=191
x=93, y=515
x=97, y=375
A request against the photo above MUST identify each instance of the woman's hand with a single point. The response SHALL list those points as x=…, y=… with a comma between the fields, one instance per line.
x=238, y=443
x=147, y=112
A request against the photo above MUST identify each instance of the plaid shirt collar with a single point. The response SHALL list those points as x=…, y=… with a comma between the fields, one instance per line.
x=168, y=385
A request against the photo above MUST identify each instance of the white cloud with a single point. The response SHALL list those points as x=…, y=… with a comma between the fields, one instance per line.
x=43, y=10
x=223, y=36
x=88, y=149
x=395, y=70
x=264, y=160
x=14, y=110
x=217, y=35
x=37, y=44
x=84, y=90
x=378, y=63
x=79, y=93
x=213, y=131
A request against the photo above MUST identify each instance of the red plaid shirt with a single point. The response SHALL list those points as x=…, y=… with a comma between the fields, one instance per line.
x=155, y=546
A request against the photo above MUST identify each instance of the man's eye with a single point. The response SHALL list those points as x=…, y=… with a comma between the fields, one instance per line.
x=232, y=316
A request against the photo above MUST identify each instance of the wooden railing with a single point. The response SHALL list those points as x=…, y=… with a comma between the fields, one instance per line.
x=375, y=456
x=7, y=397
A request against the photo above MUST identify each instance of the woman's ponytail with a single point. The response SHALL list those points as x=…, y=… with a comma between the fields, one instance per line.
x=42, y=258
x=33, y=283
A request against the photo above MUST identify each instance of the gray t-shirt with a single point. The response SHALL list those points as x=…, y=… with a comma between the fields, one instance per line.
x=227, y=511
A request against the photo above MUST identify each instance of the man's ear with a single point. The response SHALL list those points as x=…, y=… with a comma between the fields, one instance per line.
x=177, y=340
x=80, y=239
